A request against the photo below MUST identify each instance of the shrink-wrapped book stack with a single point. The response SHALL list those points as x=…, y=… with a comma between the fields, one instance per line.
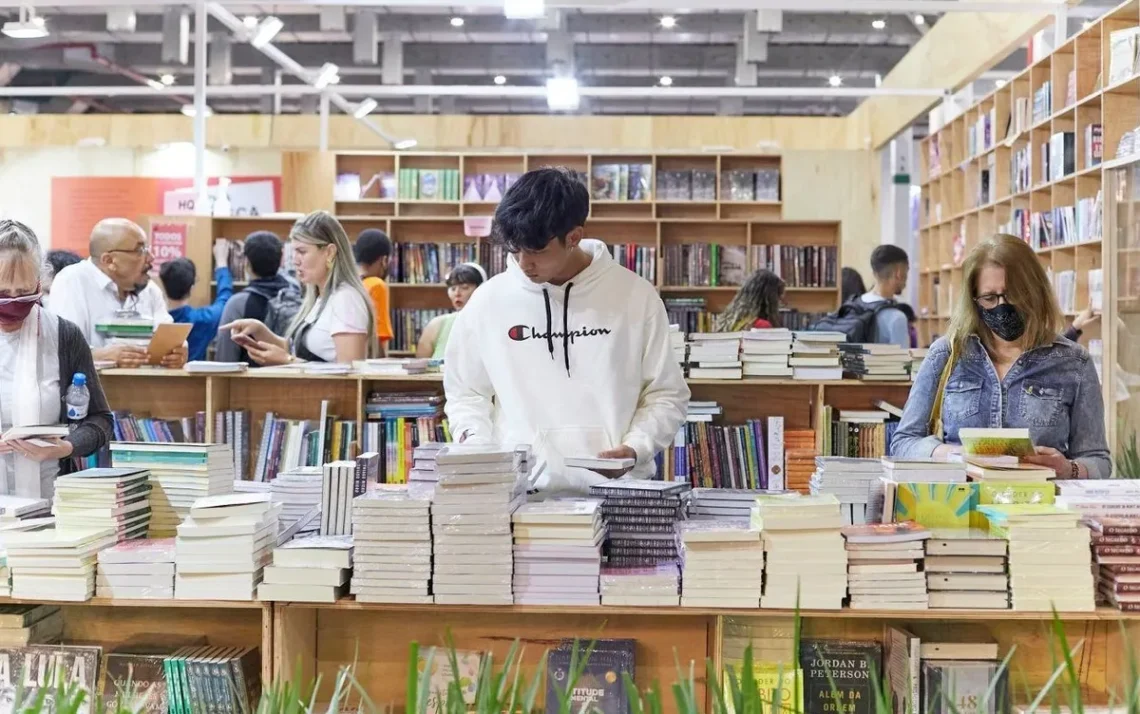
x=722, y=564
x=392, y=545
x=137, y=569
x=884, y=566
x=224, y=544
x=558, y=552
x=805, y=560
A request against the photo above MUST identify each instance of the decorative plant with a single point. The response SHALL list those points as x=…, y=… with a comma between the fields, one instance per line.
x=1128, y=460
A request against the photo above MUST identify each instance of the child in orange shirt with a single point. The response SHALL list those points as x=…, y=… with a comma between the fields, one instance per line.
x=373, y=251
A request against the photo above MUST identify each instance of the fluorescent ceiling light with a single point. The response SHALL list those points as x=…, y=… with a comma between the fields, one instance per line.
x=155, y=84
x=668, y=22
x=266, y=30
x=879, y=24
x=835, y=80
x=188, y=110
x=666, y=81
x=29, y=26
x=562, y=94
x=326, y=75
x=405, y=144
x=457, y=22
x=500, y=79
x=524, y=9
x=364, y=108
x=167, y=79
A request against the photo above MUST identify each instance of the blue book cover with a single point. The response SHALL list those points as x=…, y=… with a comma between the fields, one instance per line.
x=601, y=688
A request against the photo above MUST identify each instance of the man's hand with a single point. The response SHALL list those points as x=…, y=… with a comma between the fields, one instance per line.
x=221, y=254
x=620, y=452
x=56, y=449
x=122, y=355
x=176, y=358
x=268, y=354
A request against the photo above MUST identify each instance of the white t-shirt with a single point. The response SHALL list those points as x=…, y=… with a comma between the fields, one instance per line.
x=84, y=295
x=346, y=314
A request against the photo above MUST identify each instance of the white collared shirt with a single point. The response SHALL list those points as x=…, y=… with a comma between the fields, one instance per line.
x=85, y=295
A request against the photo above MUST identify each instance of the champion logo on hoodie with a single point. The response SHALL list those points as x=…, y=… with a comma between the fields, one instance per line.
x=521, y=333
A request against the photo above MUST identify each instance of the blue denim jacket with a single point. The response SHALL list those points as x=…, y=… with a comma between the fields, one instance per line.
x=1052, y=390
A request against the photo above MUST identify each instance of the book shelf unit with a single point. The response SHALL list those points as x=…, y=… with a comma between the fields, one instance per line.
x=983, y=172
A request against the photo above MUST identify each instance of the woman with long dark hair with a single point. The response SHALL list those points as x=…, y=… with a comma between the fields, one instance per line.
x=756, y=304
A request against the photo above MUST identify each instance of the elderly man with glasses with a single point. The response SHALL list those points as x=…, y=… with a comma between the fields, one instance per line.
x=113, y=282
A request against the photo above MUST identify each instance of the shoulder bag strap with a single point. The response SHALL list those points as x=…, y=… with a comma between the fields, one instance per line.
x=936, y=412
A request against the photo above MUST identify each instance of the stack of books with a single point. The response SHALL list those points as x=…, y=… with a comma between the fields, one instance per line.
x=806, y=560
x=917, y=355
x=765, y=353
x=723, y=504
x=773, y=642
x=854, y=433
x=423, y=463
x=55, y=564
x=850, y=480
x=966, y=569
x=224, y=544
x=23, y=625
x=640, y=518
x=18, y=508
x=136, y=570
x=641, y=586
x=919, y=470
x=1116, y=551
x=1049, y=563
x=677, y=342
x=479, y=487
x=299, y=493
x=339, y=486
x=875, y=362
x=391, y=533
x=884, y=566
x=180, y=474
x=1100, y=498
x=398, y=422
x=715, y=355
x=722, y=564
x=126, y=330
x=115, y=498
x=815, y=355
x=311, y=569
x=558, y=552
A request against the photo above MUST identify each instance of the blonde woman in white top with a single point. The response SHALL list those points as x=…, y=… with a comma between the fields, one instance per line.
x=336, y=321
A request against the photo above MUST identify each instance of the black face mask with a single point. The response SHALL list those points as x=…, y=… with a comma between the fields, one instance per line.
x=1005, y=321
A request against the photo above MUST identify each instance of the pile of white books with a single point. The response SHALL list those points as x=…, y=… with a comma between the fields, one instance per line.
x=806, y=562
x=310, y=569
x=180, y=474
x=558, y=552
x=875, y=362
x=337, y=492
x=479, y=487
x=16, y=508
x=391, y=533
x=765, y=353
x=884, y=566
x=917, y=356
x=55, y=565
x=423, y=462
x=223, y=546
x=1050, y=564
x=137, y=569
x=815, y=355
x=967, y=569
x=723, y=504
x=1100, y=498
x=772, y=639
x=646, y=586
x=853, y=481
x=114, y=498
x=299, y=493
x=715, y=355
x=722, y=564
x=902, y=469
x=677, y=342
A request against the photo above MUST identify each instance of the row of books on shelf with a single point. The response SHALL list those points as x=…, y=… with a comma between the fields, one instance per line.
x=980, y=133
x=396, y=423
x=428, y=184
x=427, y=262
x=808, y=266
x=1064, y=225
x=686, y=185
x=235, y=260
x=1065, y=288
x=1042, y=101
x=407, y=326
x=621, y=182
x=711, y=264
x=641, y=259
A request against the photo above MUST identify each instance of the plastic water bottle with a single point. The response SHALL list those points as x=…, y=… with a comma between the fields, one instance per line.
x=77, y=398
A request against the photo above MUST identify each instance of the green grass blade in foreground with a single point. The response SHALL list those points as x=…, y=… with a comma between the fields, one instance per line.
x=1057, y=672
x=1072, y=675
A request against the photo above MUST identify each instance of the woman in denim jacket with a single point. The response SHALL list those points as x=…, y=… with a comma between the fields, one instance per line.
x=1008, y=368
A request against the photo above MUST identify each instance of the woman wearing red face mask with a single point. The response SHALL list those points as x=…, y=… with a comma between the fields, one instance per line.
x=40, y=353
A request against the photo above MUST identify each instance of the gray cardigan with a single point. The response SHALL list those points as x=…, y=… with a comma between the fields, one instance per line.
x=94, y=432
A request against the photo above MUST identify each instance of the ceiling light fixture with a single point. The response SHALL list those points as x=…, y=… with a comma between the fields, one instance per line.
x=835, y=80
x=326, y=75
x=500, y=79
x=457, y=22
x=666, y=81
x=668, y=22
x=167, y=79
x=879, y=24
x=29, y=26
x=250, y=21
x=562, y=94
x=524, y=9
x=188, y=110
x=155, y=84
x=920, y=19
x=364, y=108
x=266, y=30
x=405, y=144
x=999, y=83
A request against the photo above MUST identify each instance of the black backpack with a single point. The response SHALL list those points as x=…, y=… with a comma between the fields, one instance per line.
x=854, y=318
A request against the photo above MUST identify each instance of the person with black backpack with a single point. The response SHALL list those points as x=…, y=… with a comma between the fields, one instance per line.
x=267, y=298
x=874, y=316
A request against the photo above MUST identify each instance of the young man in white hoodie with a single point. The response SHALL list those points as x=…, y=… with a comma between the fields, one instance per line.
x=566, y=351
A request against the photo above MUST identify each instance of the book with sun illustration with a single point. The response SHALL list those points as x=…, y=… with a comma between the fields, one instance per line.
x=995, y=442
x=936, y=505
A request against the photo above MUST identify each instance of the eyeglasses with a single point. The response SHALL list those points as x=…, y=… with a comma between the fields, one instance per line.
x=140, y=249
x=991, y=300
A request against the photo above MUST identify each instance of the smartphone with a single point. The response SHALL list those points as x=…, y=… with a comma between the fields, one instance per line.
x=244, y=341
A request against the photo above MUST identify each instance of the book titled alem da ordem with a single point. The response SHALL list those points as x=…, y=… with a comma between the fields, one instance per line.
x=850, y=666
x=36, y=668
x=601, y=688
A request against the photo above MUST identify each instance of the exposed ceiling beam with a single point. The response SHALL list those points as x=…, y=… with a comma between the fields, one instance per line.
x=925, y=6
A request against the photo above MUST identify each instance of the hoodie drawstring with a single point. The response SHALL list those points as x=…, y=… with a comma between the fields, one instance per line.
x=549, y=328
x=565, y=326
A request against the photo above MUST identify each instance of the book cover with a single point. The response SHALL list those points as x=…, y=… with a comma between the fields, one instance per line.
x=43, y=667
x=776, y=478
x=849, y=667
x=996, y=442
x=601, y=688
x=779, y=686
x=903, y=665
x=936, y=505
x=441, y=676
x=961, y=687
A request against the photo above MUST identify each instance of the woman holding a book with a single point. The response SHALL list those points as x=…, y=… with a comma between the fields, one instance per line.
x=1003, y=365
x=40, y=356
x=336, y=322
x=755, y=305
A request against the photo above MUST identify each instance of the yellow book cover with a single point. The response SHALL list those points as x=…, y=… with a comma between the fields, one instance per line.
x=401, y=447
x=776, y=684
x=936, y=505
x=1011, y=493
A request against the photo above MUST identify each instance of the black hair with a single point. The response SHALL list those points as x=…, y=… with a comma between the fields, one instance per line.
x=853, y=285
x=177, y=277
x=544, y=204
x=371, y=245
x=464, y=274
x=886, y=257
x=263, y=253
x=758, y=298
x=908, y=311
x=60, y=259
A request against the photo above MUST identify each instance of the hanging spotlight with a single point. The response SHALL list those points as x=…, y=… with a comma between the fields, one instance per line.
x=405, y=144
x=500, y=79
x=666, y=81
x=328, y=74
x=29, y=26
x=167, y=79
x=266, y=30
x=524, y=9
x=155, y=84
x=250, y=21
x=364, y=108
x=920, y=19
x=879, y=24
x=835, y=80
x=457, y=22
x=668, y=22
x=562, y=94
